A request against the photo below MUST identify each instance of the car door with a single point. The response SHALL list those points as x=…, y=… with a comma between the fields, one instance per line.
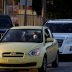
x=54, y=45
x=49, y=47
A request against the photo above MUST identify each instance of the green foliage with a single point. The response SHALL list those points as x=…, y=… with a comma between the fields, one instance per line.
x=37, y=6
x=60, y=9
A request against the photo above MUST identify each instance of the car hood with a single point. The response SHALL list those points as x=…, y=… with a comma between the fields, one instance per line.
x=19, y=47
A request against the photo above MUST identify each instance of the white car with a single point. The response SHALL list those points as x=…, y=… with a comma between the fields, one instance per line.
x=66, y=48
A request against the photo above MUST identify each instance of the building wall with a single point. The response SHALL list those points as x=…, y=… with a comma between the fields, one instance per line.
x=16, y=9
x=1, y=6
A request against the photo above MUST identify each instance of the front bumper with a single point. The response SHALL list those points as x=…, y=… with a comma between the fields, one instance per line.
x=21, y=63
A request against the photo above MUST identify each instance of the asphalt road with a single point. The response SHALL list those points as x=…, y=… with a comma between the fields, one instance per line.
x=63, y=67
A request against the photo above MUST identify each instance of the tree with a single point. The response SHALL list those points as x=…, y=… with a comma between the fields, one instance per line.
x=37, y=6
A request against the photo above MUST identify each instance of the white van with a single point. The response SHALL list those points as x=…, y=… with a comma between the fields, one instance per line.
x=61, y=29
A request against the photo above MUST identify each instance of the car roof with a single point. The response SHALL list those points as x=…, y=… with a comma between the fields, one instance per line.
x=4, y=16
x=60, y=21
x=28, y=27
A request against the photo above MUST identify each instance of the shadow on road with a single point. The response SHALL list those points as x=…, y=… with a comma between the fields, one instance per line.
x=65, y=58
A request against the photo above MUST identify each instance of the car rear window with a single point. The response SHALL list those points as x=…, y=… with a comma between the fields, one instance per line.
x=60, y=27
x=5, y=21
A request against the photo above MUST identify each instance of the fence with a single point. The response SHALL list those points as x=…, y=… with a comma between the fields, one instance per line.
x=31, y=20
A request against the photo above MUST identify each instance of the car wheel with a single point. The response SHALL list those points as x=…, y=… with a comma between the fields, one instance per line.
x=44, y=66
x=55, y=63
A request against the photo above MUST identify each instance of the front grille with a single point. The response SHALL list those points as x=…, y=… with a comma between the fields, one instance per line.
x=19, y=65
x=60, y=41
x=12, y=54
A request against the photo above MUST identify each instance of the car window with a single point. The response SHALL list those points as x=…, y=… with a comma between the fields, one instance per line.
x=5, y=21
x=23, y=35
x=47, y=33
x=60, y=27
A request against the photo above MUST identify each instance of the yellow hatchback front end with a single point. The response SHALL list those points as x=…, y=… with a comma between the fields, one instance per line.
x=28, y=47
x=20, y=55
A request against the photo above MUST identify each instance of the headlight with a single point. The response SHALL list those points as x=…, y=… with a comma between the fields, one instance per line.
x=35, y=52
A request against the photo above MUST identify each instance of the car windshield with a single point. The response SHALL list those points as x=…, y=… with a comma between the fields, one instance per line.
x=23, y=35
x=67, y=41
x=60, y=27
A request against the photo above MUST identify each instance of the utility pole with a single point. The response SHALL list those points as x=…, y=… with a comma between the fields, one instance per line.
x=25, y=15
x=44, y=10
x=4, y=6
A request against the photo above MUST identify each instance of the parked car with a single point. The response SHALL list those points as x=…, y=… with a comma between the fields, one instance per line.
x=5, y=24
x=66, y=48
x=19, y=50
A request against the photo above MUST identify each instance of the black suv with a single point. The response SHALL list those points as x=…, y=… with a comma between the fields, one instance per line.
x=5, y=24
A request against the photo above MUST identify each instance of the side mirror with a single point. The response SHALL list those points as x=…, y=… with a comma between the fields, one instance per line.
x=49, y=40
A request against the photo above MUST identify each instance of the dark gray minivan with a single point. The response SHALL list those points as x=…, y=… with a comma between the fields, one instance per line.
x=5, y=24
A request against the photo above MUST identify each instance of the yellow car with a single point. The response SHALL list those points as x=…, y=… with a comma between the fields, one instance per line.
x=27, y=47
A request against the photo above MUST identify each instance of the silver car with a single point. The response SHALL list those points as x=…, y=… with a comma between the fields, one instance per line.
x=66, y=48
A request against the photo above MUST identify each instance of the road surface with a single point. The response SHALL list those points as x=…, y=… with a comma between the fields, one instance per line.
x=63, y=67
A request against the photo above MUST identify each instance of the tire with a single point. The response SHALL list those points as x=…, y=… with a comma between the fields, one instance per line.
x=55, y=63
x=44, y=66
